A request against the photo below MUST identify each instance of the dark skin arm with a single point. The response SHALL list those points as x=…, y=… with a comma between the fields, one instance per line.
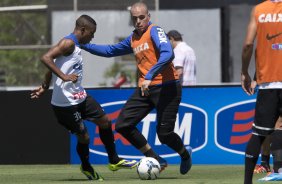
x=64, y=48
x=247, y=54
x=36, y=93
x=254, y=85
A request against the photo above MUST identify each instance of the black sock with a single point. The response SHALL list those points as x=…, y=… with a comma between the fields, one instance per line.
x=265, y=160
x=83, y=152
x=276, y=149
x=173, y=141
x=251, y=157
x=107, y=137
x=151, y=153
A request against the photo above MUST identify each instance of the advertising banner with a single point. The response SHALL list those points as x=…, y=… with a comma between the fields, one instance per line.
x=215, y=121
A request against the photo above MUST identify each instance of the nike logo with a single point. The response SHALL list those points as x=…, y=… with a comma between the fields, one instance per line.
x=268, y=37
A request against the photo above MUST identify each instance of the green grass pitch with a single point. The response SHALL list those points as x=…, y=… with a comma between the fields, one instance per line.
x=61, y=174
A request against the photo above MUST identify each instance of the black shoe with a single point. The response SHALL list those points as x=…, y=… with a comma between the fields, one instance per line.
x=91, y=174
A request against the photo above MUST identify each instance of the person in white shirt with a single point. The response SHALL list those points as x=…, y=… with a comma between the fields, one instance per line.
x=185, y=59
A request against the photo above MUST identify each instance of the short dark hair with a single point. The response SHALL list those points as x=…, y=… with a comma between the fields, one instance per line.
x=175, y=35
x=83, y=20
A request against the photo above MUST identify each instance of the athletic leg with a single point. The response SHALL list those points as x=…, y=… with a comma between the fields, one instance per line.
x=265, y=154
x=167, y=100
x=70, y=118
x=135, y=109
x=251, y=156
x=265, y=150
x=93, y=112
x=276, y=148
x=265, y=117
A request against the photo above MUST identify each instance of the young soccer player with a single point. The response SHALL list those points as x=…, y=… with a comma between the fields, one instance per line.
x=159, y=86
x=70, y=101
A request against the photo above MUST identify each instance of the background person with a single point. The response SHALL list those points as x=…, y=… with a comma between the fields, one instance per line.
x=184, y=60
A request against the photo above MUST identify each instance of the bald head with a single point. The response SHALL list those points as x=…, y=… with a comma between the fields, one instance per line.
x=139, y=5
x=140, y=17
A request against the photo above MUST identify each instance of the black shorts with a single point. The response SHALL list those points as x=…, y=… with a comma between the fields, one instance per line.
x=268, y=109
x=165, y=99
x=71, y=117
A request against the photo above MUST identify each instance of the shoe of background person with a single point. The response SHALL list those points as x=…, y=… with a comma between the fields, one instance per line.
x=91, y=174
x=123, y=164
x=163, y=163
x=272, y=177
x=186, y=164
x=261, y=169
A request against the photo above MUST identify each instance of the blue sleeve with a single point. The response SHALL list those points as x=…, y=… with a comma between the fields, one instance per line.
x=121, y=48
x=164, y=47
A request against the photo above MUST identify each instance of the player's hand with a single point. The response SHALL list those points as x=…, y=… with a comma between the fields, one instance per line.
x=246, y=83
x=253, y=87
x=72, y=77
x=145, y=87
x=278, y=124
x=36, y=93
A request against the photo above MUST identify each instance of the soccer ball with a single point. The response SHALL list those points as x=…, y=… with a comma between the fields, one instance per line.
x=148, y=168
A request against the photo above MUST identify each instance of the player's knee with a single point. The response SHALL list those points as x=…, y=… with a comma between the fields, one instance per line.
x=106, y=125
x=83, y=138
x=165, y=138
x=104, y=122
x=121, y=128
x=254, y=146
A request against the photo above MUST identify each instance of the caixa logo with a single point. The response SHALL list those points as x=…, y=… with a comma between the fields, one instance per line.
x=191, y=126
x=233, y=126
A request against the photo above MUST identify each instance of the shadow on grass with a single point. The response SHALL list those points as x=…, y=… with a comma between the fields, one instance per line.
x=168, y=178
x=73, y=179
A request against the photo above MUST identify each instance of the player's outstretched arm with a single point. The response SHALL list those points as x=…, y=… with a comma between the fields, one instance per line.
x=121, y=48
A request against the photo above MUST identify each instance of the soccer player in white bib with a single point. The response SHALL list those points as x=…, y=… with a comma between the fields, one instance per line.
x=70, y=102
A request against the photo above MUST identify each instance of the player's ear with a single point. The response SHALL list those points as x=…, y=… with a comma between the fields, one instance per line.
x=82, y=29
x=149, y=14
